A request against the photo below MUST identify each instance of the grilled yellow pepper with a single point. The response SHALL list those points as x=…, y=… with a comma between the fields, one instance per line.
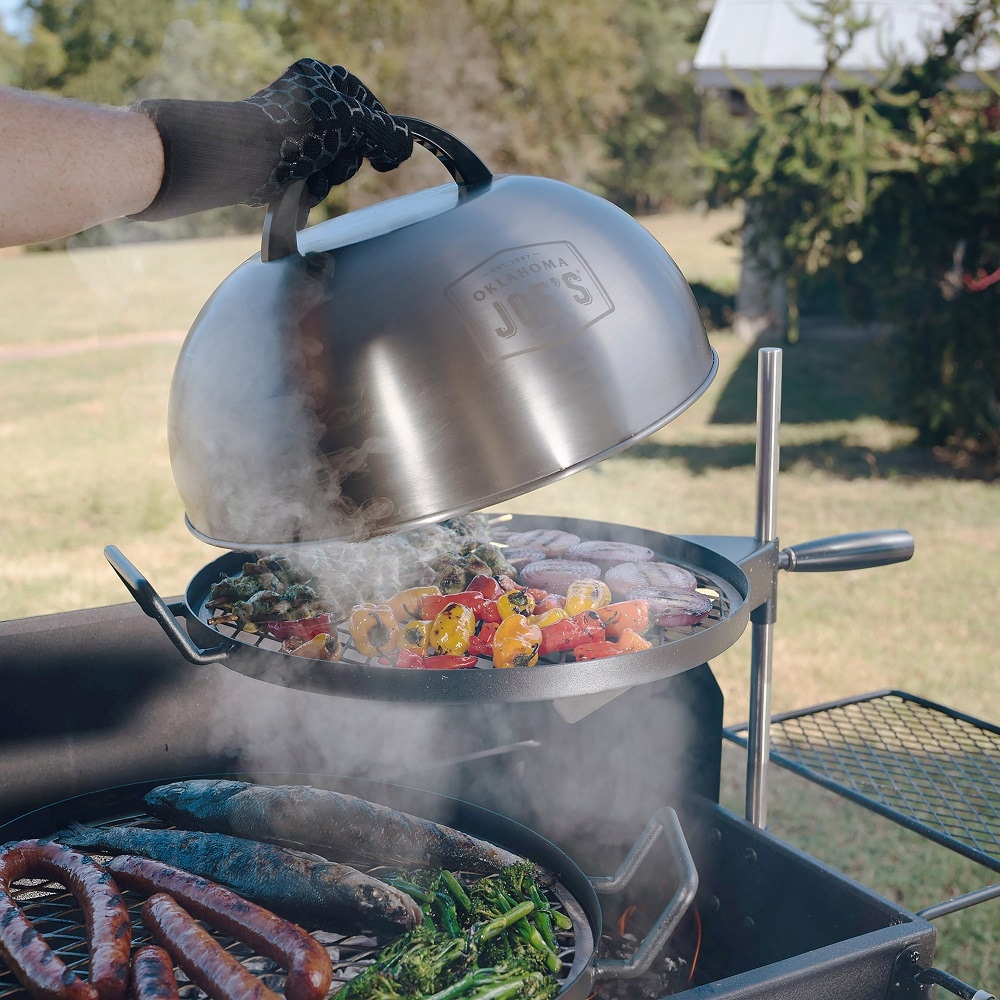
x=451, y=629
x=549, y=617
x=515, y=643
x=374, y=629
x=517, y=602
x=586, y=595
x=414, y=635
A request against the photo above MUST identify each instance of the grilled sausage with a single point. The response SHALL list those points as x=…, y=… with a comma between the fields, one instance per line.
x=206, y=962
x=308, y=967
x=109, y=932
x=153, y=975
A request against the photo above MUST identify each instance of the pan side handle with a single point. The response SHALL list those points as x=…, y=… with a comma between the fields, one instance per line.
x=164, y=614
x=861, y=550
x=664, y=822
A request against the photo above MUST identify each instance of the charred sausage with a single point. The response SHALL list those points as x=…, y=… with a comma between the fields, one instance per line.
x=206, y=962
x=153, y=974
x=308, y=967
x=109, y=932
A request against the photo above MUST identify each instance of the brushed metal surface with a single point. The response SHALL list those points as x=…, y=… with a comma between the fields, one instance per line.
x=429, y=355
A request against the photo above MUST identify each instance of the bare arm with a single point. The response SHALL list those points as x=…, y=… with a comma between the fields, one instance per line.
x=65, y=166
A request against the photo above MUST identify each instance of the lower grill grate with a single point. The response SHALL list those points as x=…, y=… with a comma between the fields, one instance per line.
x=929, y=768
x=55, y=914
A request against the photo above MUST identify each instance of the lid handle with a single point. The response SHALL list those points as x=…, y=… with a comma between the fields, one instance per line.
x=284, y=216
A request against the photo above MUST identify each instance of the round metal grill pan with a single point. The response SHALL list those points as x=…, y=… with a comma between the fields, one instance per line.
x=354, y=675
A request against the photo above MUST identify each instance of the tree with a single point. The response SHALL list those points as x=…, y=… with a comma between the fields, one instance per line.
x=652, y=147
x=815, y=157
x=932, y=245
x=896, y=186
x=531, y=86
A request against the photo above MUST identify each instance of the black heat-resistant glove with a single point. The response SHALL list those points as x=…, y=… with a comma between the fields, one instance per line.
x=315, y=122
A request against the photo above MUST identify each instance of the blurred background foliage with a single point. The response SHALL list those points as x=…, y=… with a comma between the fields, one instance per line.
x=876, y=200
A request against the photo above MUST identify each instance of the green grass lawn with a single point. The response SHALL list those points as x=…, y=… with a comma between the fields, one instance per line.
x=83, y=445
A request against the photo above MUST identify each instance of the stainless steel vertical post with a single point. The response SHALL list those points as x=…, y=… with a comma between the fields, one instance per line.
x=762, y=619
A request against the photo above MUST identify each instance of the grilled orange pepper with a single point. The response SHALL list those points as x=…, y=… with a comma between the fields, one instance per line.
x=622, y=615
x=451, y=630
x=632, y=642
x=413, y=635
x=586, y=595
x=374, y=629
x=406, y=604
x=515, y=643
x=516, y=602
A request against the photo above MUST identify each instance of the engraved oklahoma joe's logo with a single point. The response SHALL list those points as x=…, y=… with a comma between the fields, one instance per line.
x=529, y=297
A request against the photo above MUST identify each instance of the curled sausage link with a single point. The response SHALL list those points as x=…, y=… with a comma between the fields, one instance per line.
x=206, y=962
x=153, y=974
x=308, y=967
x=109, y=931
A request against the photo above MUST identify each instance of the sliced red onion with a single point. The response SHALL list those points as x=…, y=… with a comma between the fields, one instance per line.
x=627, y=576
x=608, y=554
x=673, y=606
x=551, y=541
x=555, y=575
x=520, y=555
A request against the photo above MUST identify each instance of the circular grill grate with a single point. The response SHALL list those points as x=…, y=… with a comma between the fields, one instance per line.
x=658, y=636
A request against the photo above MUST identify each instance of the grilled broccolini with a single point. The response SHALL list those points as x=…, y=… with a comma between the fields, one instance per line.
x=493, y=941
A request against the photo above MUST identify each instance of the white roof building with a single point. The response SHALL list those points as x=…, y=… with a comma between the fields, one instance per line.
x=770, y=40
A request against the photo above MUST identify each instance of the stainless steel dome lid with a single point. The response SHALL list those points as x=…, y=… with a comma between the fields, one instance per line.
x=430, y=355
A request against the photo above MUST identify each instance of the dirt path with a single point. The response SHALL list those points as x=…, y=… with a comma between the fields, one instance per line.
x=29, y=352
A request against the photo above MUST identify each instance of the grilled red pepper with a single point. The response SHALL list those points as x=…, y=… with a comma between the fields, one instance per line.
x=408, y=659
x=485, y=610
x=548, y=601
x=488, y=586
x=597, y=650
x=558, y=637
x=481, y=643
x=299, y=628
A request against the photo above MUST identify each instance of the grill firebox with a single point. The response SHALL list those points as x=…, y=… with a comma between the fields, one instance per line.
x=774, y=923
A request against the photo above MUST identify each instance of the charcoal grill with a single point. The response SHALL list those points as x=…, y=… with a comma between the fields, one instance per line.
x=57, y=915
x=126, y=706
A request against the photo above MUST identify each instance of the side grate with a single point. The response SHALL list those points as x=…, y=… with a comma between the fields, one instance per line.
x=931, y=769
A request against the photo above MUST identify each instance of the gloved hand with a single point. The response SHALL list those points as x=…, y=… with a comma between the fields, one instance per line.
x=315, y=122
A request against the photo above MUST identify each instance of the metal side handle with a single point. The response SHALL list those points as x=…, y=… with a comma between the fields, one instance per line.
x=861, y=550
x=165, y=614
x=663, y=821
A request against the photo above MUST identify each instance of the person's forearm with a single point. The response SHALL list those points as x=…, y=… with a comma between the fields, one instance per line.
x=65, y=166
